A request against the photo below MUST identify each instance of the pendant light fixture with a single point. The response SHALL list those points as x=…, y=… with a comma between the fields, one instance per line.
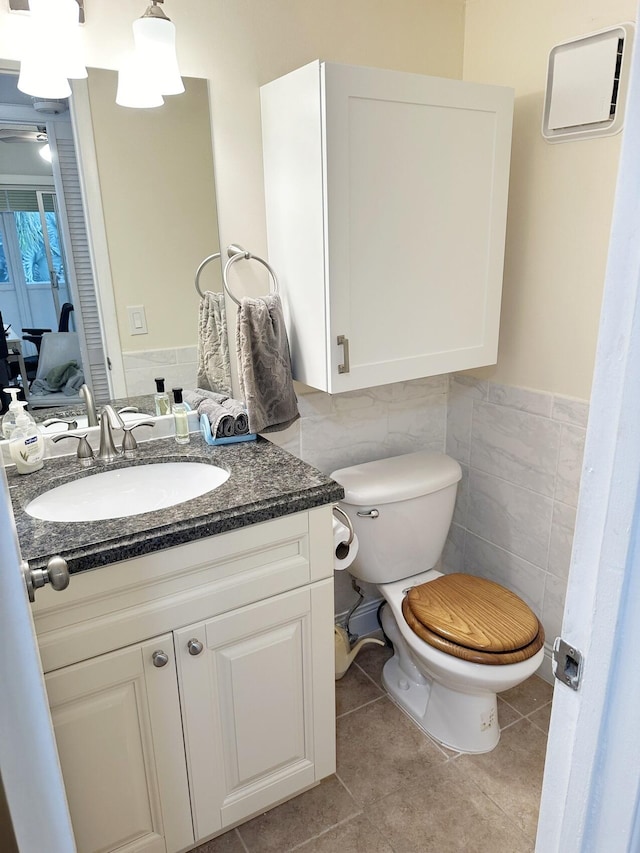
x=152, y=70
x=53, y=52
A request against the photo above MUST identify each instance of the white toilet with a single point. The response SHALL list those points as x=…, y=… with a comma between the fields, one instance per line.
x=457, y=642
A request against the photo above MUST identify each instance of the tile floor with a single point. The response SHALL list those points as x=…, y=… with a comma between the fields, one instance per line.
x=397, y=791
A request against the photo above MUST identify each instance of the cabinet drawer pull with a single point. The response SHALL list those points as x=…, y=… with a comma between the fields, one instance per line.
x=194, y=647
x=160, y=658
x=344, y=342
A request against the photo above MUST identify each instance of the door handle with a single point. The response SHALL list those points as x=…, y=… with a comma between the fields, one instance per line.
x=56, y=573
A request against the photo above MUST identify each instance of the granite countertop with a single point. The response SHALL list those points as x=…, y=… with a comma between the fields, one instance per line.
x=265, y=482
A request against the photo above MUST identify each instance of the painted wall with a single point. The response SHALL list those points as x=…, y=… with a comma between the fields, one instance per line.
x=240, y=46
x=561, y=196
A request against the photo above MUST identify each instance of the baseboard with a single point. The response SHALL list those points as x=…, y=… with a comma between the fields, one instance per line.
x=365, y=619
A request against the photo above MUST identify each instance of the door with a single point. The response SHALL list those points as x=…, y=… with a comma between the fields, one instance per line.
x=590, y=797
x=254, y=730
x=28, y=757
x=119, y=733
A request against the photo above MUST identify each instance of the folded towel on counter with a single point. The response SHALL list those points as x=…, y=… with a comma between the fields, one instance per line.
x=214, y=369
x=264, y=364
x=194, y=398
x=240, y=418
x=221, y=419
x=227, y=417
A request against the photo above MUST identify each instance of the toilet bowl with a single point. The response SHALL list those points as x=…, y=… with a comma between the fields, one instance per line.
x=457, y=643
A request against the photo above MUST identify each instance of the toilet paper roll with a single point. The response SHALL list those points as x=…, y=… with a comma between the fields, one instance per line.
x=343, y=554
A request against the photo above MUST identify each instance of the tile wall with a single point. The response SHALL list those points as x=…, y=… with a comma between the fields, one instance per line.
x=178, y=365
x=521, y=455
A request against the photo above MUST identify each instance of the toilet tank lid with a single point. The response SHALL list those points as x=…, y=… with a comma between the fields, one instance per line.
x=398, y=478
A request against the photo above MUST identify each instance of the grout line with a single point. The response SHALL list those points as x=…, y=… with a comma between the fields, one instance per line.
x=359, y=708
x=324, y=832
x=244, y=846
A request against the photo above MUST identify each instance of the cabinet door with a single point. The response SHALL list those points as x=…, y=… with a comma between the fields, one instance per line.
x=386, y=198
x=118, y=728
x=257, y=705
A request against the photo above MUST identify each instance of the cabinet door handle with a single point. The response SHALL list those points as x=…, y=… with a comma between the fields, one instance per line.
x=344, y=342
x=194, y=647
x=160, y=658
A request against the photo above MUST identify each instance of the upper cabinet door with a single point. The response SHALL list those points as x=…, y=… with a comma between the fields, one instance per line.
x=386, y=210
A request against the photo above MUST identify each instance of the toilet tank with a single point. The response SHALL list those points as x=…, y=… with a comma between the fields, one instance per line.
x=401, y=509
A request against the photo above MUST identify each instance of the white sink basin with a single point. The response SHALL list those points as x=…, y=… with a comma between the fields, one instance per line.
x=123, y=492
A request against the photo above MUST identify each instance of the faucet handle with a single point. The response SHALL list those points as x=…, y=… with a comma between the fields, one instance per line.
x=129, y=443
x=85, y=453
x=128, y=409
x=70, y=423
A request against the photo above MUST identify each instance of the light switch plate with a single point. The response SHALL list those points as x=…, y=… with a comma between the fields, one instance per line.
x=137, y=320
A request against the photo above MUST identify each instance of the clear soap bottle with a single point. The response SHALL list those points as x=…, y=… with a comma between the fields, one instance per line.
x=180, y=420
x=161, y=398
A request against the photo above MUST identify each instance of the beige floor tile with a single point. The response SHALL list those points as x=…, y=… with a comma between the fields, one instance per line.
x=355, y=689
x=380, y=749
x=371, y=660
x=529, y=696
x=355, y=836
x=511, y=775
x=542, y=718
x=227, y=843
x=448, y=814
x=507, y=714
x=299, y=819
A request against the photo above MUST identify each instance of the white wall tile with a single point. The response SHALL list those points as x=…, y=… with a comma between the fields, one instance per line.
x=534, y=402
x=453, y=554
x=516, y=519
x=570, y=464
x=555, y=591
x=562, y=528
x=488, y=561
x=516, y=446
x=459, y=417
x=461, y=509
x=570, y=410
x=148, y=358
x=476, y=388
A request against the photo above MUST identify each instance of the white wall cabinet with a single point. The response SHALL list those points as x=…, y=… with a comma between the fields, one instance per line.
x=169, y=740
x=386, y=196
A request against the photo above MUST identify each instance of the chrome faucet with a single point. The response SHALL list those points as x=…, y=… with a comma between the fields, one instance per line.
x=109, y=420
x=87, y=396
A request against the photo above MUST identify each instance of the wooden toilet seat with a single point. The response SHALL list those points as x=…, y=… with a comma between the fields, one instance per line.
x=473, y=619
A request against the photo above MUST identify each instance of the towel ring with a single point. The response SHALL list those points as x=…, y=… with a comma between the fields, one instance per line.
x=202, y=266
x=241, y=254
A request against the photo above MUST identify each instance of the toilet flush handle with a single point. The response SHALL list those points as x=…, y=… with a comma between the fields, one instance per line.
x=372, y=513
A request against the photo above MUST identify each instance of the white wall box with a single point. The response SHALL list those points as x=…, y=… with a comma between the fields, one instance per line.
x=193, y=688
x=386, y=198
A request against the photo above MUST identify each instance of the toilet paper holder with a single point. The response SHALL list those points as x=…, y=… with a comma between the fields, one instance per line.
x=343, y=547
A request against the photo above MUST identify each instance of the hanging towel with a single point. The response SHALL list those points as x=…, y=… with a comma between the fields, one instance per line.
x=214, y=369
x=264, y=364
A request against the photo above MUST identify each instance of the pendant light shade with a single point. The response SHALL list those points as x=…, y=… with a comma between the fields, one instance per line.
x=136, y=86
x=53, y=53
x=155, y=40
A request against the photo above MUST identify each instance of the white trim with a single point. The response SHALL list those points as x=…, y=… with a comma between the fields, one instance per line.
x=27, y=180
x=28, y=758
x=96, y=229
x=590, y=791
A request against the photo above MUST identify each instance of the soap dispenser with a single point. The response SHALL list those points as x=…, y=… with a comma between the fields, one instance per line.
x=26, y=445
x=15, y=408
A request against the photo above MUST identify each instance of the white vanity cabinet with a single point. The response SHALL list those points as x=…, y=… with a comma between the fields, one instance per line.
x=386, y=200
x=193, y=688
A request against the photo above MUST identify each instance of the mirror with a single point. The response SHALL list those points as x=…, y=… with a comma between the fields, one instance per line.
x=153, y=186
